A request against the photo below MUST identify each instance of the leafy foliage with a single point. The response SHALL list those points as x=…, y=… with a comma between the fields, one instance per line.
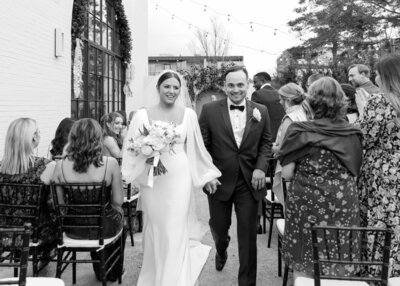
x=200, y=79
x=79, y=22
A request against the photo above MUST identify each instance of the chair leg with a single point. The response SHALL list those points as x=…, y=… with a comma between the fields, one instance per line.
x=285, y=275
x=279, y=257
x=74, y=267
x=60, y=254
x=130, y=227
x=264, y=215
x=35, y=261
x=102, y=268
x=271, y=224
x=15, y=272
x=140, y=217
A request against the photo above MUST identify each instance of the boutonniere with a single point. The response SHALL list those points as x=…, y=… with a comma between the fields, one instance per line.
x=256, y=115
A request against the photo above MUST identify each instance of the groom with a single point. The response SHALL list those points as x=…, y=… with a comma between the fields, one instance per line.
x=236, y=133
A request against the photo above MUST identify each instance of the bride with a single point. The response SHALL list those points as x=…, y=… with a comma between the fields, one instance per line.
x=170, y=256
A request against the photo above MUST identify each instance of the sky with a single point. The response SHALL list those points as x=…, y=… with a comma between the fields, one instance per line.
x=172, y=24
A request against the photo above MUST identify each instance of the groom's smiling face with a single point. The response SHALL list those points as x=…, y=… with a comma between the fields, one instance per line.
x=236, y=85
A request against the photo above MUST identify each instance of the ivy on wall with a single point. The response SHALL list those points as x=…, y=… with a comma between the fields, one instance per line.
x=79, y=19
x=200, y=79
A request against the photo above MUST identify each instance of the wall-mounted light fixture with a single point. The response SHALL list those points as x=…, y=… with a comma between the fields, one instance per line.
x=58, y=42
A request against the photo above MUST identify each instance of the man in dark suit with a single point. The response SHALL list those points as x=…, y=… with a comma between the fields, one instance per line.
x=236, y=133
x=268, y=96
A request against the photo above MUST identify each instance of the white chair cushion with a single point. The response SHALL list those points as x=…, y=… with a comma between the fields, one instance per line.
x=395, y=281
x=133, y=198
x=87, y=243
x=37, y=281
x=280, y=225
x=304, y=281
x=268, y=197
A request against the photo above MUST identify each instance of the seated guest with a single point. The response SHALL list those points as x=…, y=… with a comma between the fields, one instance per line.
x=19, y=165
x=297, y=109
x=84, y=163
x=112, y=127
x=322, y=157
x=352, y=111
x=61, y=137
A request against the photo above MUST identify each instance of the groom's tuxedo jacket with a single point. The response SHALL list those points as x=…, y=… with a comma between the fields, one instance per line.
x=255, y=148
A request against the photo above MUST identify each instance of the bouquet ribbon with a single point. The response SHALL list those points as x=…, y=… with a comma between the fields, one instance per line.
x=151, y=171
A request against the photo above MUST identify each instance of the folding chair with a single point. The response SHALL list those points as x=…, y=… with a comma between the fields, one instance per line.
x=84, y=207
x=342, y=254
x=16, y=210
x=272, y=208
x=280, y=225
x=14, y=253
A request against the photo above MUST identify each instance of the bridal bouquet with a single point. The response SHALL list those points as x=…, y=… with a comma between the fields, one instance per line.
x=151, y=141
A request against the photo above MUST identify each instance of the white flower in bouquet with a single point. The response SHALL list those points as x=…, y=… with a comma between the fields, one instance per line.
x=152, y=141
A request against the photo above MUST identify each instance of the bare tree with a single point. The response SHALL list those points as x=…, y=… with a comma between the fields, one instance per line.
x=212, y=42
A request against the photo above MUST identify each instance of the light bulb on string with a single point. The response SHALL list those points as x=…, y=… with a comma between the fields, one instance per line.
x=156, y=6
x=251, y=26
x=172, y=18
x=275, y=32
x=229, y=17
x=190, y=25
x=205, y=8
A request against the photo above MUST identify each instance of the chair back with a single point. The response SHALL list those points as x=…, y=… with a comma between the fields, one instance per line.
x=20, y=204
x=344, y=253
x=271, y=174
x=83, y=206
x=14, y=251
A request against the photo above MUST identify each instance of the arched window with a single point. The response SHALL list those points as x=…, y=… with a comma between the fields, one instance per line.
x=103, y=70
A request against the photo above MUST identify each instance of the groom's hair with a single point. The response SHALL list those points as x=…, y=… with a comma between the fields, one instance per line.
x=264, y=76
x=235, y=69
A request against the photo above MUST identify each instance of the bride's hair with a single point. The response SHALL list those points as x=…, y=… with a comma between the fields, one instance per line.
x=167, y=75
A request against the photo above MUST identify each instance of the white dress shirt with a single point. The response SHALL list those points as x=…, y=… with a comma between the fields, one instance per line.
x=238, y=120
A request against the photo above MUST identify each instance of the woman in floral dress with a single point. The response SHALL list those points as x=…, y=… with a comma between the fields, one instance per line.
x=323, y=158
x=379, y=182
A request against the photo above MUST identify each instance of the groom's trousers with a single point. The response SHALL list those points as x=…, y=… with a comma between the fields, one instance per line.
x=246, y=213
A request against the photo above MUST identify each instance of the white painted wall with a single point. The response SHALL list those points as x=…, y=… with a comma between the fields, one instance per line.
x=33, y=82
x=137, y=11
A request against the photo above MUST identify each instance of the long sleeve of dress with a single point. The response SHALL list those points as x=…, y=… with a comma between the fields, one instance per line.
x=201, y=165
x=133, y=165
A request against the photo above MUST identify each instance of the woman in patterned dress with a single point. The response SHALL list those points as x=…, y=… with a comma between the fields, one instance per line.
x=379, y=182
x=323, y=158
x=19, y=165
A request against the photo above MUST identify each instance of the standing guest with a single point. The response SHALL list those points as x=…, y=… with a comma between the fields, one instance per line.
x=61, y=137
x=112, y=127
x=379, y=182
x=359, y=77
x=322, y=157
x=84, y=163
x=19, y=165
x=352, y=111
x=297, y=109
x=312, y=78
x=237, y=134
x=266, y=95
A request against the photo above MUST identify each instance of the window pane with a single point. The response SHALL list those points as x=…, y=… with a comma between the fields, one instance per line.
x=90, y=28
x=97, y=31
x=92, y=86
x=104, y=36
x=92, y=109
x=99, y=62
x=105, y=63
x=99, y=85
x=110, y=89
x=81, y=109
x=109, y=38
x=74, y=113
x=97, y=9
x=111, y=65
x=105, y=12
x=91, y=6
x=92, y=62
x=105, y=89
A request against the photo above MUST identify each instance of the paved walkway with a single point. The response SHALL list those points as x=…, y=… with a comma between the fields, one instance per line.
x=267, y=261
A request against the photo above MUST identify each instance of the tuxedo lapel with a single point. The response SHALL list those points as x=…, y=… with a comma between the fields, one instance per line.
x=227, y=120
x=249, y=121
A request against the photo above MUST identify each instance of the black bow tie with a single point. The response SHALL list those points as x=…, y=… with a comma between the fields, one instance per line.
x=238, y=107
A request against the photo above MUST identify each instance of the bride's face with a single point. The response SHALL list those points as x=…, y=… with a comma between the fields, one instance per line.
x=169, y=90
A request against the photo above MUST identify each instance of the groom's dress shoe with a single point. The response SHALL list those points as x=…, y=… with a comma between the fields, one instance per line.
x=220, y=260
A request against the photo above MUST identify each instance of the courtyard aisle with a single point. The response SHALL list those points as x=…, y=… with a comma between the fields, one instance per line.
x=267, y=261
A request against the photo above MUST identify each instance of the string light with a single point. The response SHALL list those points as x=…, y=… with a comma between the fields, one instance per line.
x=205, y=8
x=173, y=16
x=251, y=26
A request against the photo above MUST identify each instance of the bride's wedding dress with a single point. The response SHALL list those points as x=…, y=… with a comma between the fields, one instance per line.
x=170, y=258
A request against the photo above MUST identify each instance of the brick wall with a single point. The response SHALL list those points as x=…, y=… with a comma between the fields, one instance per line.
x=33, y=82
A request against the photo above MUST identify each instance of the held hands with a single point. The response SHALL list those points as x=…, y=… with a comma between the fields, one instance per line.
x=258, y=180
x=211, y=186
